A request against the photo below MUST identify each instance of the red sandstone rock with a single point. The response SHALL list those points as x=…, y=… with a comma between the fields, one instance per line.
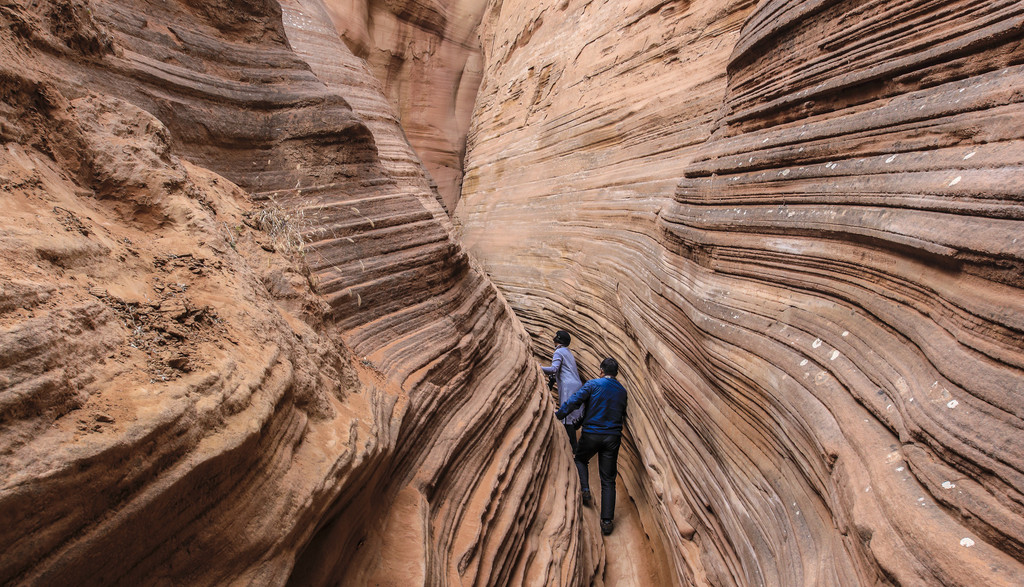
x=822, y=324
x=426, y=56
x=204, y=383
x=306, y=379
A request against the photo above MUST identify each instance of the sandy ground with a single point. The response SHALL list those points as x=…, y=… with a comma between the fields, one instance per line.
x=632, y=559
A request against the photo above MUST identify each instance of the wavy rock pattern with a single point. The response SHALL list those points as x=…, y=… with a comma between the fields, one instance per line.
x=200, y=390
x=426, y=56
x=821, y=325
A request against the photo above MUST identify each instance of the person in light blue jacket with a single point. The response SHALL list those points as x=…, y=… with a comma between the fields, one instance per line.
x=567, y=377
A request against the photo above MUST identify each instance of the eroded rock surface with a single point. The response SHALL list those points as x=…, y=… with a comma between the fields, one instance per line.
x=425, y=56
x=238, y=343
x=821, y=322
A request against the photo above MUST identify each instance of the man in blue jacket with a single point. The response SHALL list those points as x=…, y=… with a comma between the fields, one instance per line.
x=604, y=401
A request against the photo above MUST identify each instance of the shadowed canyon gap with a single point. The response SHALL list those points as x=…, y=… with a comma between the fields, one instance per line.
x=251, y=329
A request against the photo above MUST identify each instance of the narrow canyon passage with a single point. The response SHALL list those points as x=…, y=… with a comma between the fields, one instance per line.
x=276, y=277
x=633, y=557
x=775, y=217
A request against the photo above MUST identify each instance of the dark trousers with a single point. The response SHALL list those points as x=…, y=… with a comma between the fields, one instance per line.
x=572, y=436
x=606, y=447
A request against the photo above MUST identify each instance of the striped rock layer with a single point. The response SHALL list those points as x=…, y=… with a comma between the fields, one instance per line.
x=238, y=341
x=799, y=227
x=425, y=55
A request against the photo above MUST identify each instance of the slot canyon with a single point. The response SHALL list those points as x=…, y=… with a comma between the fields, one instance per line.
x=277, y=277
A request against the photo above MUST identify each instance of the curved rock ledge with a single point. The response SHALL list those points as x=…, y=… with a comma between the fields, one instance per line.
x=200, y=390
x=821, y=323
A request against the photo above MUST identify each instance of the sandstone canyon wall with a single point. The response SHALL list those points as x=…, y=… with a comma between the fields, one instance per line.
x=425, y=55
x=798, y=225
x=241, y=343
x=238, y=343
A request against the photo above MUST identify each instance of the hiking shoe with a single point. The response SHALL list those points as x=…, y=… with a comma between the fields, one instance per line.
x=607, y=526
x=586, y=498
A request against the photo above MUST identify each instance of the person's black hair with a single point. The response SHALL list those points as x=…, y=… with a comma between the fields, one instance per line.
x=562, y=337
x=610, y=366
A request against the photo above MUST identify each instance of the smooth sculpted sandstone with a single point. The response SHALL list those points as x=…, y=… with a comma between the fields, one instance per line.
x=800, y=227
x=425, y=56
x=238, y=343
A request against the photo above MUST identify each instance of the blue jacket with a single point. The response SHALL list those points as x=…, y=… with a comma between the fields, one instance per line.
x=563, y=365
x=605, y=401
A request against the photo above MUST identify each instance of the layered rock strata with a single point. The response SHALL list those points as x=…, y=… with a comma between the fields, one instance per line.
x=425, y=55
x=301, y=379
x=821, y=322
